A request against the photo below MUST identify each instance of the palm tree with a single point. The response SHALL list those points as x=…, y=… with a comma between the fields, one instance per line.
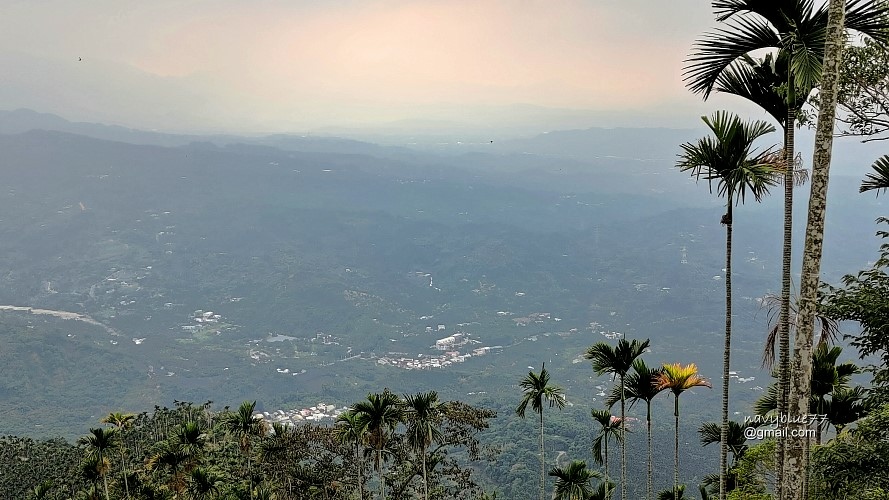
x=98, y=442
x=573, y=482
x=423, y=412
x=349, y=429
x=846, y=405
x=537, y=389
x=42, y=489
x=123, y=422
x=678, y=379
x=246, y=427
x=728, y=160
x=677, y=493
x=609, y=427
x=191, y=441
x=92, y=468
x=168, y=454
x=203, y=484
x=828, y=377
x=640, y=386
x=617, y=361
x=711, y=432
x=603, y=491
x=829, y=327
x=879, y=178
x=797, y=29
x=379, y=415
x=277, y=449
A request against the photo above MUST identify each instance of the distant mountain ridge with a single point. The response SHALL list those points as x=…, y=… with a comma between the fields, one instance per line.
x=589, y=145
x=23, y=120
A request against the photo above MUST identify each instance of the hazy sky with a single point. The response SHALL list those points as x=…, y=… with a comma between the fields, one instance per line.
x=294, y=65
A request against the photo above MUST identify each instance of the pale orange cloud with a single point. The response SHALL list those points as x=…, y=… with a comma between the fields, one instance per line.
x=228, y=61
x=549, y=53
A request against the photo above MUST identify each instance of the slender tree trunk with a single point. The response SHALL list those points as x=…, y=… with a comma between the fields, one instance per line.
x=123, y=462
x=786, y=262
x=727, y=349
x=648, y=420
x=382, y=476
x=360, y=470
x=249, y=474
x=542, y=459
x=105, y=479
x=425, y=484
x=607, y=489
x=676, y=449
x=623, y=442
x=800, y=390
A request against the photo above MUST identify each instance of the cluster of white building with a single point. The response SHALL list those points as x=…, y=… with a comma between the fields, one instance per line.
x=537, y=317
x=451, y=341
x=422, y=362
x=203, y=319
x=319, y=412
x=201, y=316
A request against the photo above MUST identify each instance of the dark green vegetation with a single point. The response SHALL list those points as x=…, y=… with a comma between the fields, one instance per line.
x=195, y=452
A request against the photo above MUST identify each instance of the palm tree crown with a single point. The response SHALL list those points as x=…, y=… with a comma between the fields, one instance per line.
x=617, y=360
x=728, y=158
x=678, y=379
x=573, y=482
x=537, y=389
x=795, y=26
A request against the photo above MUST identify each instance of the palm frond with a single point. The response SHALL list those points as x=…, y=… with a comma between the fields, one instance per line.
x=713, y=53
x=869, y=18
x=879, y=178
x=758, y=81
x=678, y=378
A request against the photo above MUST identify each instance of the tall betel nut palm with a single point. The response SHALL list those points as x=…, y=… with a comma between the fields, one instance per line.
x=98, y=442
x=350, y=430
x=246, y=427
x=618, y=360
x=609, y=427
x=640, y=385
x=728, y=160
x=379, y=415
x=424, y=416
x=720, y=61
x=537, y=391
x=678, y=379
x=123, y=422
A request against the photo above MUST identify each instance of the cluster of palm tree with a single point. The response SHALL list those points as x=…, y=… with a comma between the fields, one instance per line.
x=372, y=424
x=797, y=32
x=417, y=446
x=833, y=399
x=640, y=384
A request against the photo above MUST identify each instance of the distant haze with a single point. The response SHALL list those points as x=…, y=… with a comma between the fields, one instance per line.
x=298, y=66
